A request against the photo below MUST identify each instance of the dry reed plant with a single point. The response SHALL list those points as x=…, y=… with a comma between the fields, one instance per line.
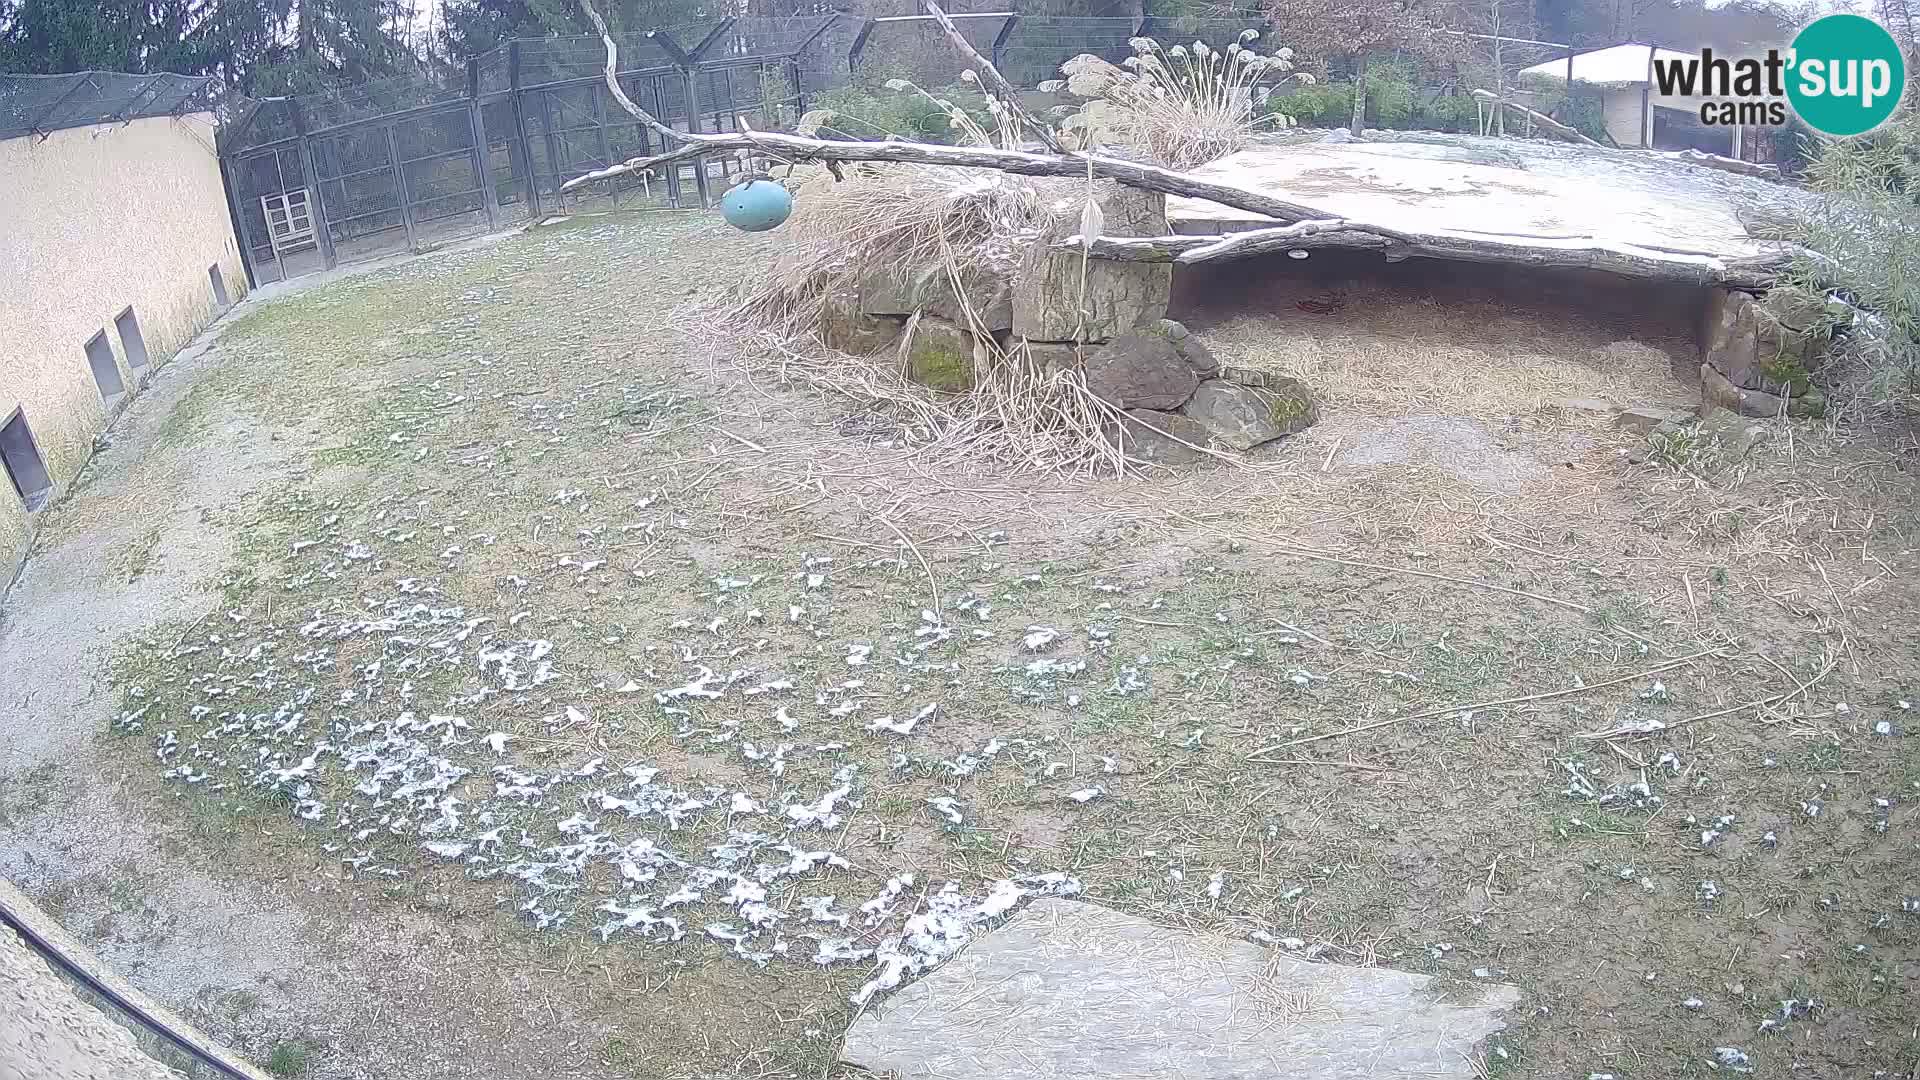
x=921, y=218
x=1186, y=105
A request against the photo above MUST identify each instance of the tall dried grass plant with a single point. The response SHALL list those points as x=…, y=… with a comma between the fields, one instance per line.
x=955, y=221
x=1185, y=105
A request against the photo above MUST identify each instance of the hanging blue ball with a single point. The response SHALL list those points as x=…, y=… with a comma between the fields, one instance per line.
x=756, y=205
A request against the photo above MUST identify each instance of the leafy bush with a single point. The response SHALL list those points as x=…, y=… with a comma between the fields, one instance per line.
x=1864, y=242
x=875, y=112
x=1390, y=104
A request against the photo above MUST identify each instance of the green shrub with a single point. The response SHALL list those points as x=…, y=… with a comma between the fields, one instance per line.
x=1390, y=104
x=1582, y=111
x=288, y=1059
x=1864, y=234
x=1319, y=105
x=874, y=112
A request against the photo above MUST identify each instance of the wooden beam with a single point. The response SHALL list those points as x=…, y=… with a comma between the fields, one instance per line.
x=1547, y=251
x=1541, y=119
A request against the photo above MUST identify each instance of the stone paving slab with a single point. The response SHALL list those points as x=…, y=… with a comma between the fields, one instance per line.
x=1070, y=989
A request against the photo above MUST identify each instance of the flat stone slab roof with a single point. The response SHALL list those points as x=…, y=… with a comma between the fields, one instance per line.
x=1468, y=185
x=1071, y=989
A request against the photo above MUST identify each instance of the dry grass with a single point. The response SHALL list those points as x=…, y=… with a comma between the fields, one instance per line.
x=1806, y=495
x=1186, y=105
x=1409, y=375
x=1373, y=848
x=899, y=216
x=917, y=219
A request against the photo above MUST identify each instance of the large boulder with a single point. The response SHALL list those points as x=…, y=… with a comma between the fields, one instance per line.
x=845, y=327
x=1754, y=348
x=940, y=356
x=1158, y=368
x=1051, y=356
x=1719, y=392
x=1243, y=417
x=1144, y=436
x=893, y=290
x=1120, y=296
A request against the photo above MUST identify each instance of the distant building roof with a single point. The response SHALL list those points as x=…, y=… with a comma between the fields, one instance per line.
x=1617, y=64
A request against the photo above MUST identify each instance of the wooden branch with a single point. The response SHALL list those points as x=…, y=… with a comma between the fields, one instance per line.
x=665, y=131
x=1298, y=227
x=1553, y=252
x=1724, y=164
x=1545, y=122
x=992, y=81
x=1019, y=162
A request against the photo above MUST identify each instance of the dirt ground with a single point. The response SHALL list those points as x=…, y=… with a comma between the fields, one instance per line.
x=1457, y=681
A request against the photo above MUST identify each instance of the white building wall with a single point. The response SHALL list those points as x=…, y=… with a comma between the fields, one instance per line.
x=94, y=220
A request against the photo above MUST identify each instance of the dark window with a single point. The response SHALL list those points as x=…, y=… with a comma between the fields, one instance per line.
x=131, y=343
x=22, y=460
x=106, y=371
x=219, y=286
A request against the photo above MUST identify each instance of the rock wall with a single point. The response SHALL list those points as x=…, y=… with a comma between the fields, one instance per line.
x=1040, y=300
x=1048, y=302
x=1759, y=359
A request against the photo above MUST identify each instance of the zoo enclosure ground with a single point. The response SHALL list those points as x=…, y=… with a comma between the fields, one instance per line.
x=1374, y=671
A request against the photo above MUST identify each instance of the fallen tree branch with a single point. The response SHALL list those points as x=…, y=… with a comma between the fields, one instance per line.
x=613, y=81
x=1428, y=714
x=1724, y=164
x=1517, y=249
x=1019, y=162
x=1542, y=120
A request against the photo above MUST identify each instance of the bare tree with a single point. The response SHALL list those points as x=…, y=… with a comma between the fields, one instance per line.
x=1500, y=22
x=1358, y=28
x=1902, y=18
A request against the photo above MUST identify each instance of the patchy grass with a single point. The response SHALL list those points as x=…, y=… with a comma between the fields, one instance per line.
x=27, y=792
x=289, y=1059
x=1475, y=732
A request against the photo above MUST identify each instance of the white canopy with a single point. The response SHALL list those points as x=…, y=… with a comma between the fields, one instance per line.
x=1617, y=64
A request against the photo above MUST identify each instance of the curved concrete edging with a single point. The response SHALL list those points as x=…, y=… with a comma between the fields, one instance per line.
x=75, y=961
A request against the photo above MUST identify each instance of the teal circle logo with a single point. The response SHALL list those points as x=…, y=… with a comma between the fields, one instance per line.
x=1846, y=75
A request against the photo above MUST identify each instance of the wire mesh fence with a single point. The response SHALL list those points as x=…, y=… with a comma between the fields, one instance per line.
x=43, y=104
x=410, y=162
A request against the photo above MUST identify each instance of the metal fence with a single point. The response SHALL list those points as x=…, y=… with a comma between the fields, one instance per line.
x=43, y=104
x=412, y=162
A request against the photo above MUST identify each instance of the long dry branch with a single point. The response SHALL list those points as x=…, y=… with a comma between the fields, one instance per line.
x=992, y=81
x=1019, y=162
x=665, y=131
x=1516, y=249
x=1541, y=120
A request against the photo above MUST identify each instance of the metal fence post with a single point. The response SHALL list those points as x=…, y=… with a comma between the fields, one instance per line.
x=1000, y=40
x=529, y=184
x=400, y=185
x=693, y=127
x=553, y=149
x=317, y=204
x=600, y=134
x=482, y=175
x=233, y=217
